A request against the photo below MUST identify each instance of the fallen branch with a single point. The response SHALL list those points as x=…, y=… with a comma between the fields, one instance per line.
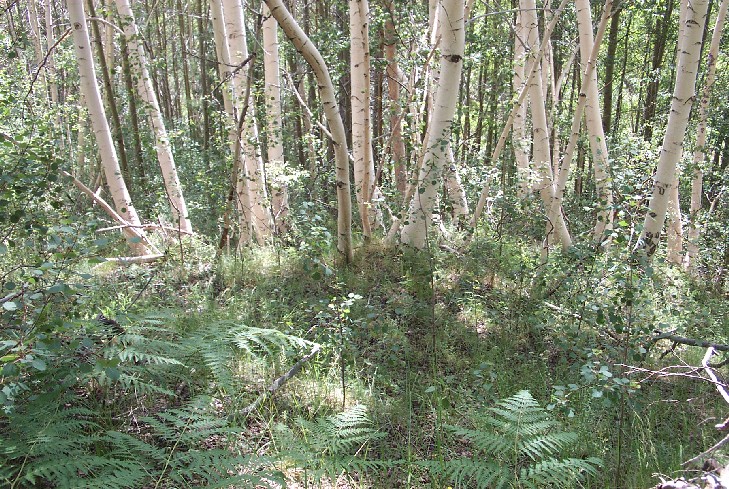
x=279, y=382
x=144, y=226
x=127, y=228
x=688, y=341
x=128, y=260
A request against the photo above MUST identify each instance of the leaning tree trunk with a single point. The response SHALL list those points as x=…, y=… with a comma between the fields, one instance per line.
x=698, y=160
x=138, y=63
x=110, y=162
x=306, y=48
x=683, y=94
x=453, y=40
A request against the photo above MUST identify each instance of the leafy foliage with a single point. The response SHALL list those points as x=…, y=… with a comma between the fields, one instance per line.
x=327, y=446
x=519, y=450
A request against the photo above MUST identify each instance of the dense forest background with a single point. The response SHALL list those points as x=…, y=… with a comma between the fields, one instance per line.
x=364, y=244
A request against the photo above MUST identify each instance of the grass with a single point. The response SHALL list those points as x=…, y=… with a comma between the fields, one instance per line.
x=426, y=341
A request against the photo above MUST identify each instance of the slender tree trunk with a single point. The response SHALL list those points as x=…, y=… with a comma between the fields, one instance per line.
x=162, y=140
x=556, y=226
x=185, y=34
x=420, y=212
x=519, y=139
x=50, y=63
x=659, y=47
x=364, y=166
x=133, y=111
x=90, y=91
x=254, y=168
x=683, y=94
x=274, y=124
x=593, y=122
x=116, y=126
x=694, y=230
x=394, y=81
x=303, y=45
x=239, y=182
x=607, y=93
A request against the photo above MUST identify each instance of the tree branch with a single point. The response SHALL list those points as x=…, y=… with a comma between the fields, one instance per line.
x=279, y=382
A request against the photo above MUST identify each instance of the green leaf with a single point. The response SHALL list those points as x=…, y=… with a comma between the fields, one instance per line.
x=38, y=364
x=112, y=373
x=10, y=306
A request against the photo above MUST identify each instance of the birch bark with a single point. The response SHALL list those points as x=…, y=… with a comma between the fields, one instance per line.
x=274, y=124
x=306, y=48
x=420, y=211
x=239, y=184
x=593, y=122
x=254, y=169
x=694, y=229
x=556, y=226
x=683, y=95
x=364, y=165
x=110, y=162
x=138, y=64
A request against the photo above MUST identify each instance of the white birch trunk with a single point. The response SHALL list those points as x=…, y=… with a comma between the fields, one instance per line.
x=394, y=80
x=243, y=202
x=50, y=63
x=593, y=123
x=145, y=90
x=254, y=169
x=420, y=211
x=364, y=165
x=556, y=226
x=100, y=125
x=694, y=230
x=683, y=94
x=519, y=135
x=274, y=124
x=674, y=230
x=306, y=48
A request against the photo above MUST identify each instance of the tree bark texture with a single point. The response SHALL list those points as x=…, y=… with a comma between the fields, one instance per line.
x=90, y=91
x=306, y=48
x=683, y=95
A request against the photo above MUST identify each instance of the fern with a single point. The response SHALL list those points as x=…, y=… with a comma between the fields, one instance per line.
x=519, y=450
x=328, y=446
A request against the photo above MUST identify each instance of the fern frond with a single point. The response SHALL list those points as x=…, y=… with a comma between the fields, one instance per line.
x=545, y=445
x=486, y=441
x=559, y=473
x=518, y=427
x=464, y=472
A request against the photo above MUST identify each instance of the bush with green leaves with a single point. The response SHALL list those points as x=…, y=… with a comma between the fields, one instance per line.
x=516, y=445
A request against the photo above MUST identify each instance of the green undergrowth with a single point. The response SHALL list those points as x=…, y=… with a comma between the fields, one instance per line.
x=161, y=373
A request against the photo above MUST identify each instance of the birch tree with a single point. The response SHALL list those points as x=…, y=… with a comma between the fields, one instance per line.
x=239, y=183
x=306, y=48
x=541, y=154
x=593, y=122
x=100, y=125
x=364, y=165
x=678, y=118
x=145, y=90
x=274, y=124
x=699, y=153
x=430, y=174
x=254, y=169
